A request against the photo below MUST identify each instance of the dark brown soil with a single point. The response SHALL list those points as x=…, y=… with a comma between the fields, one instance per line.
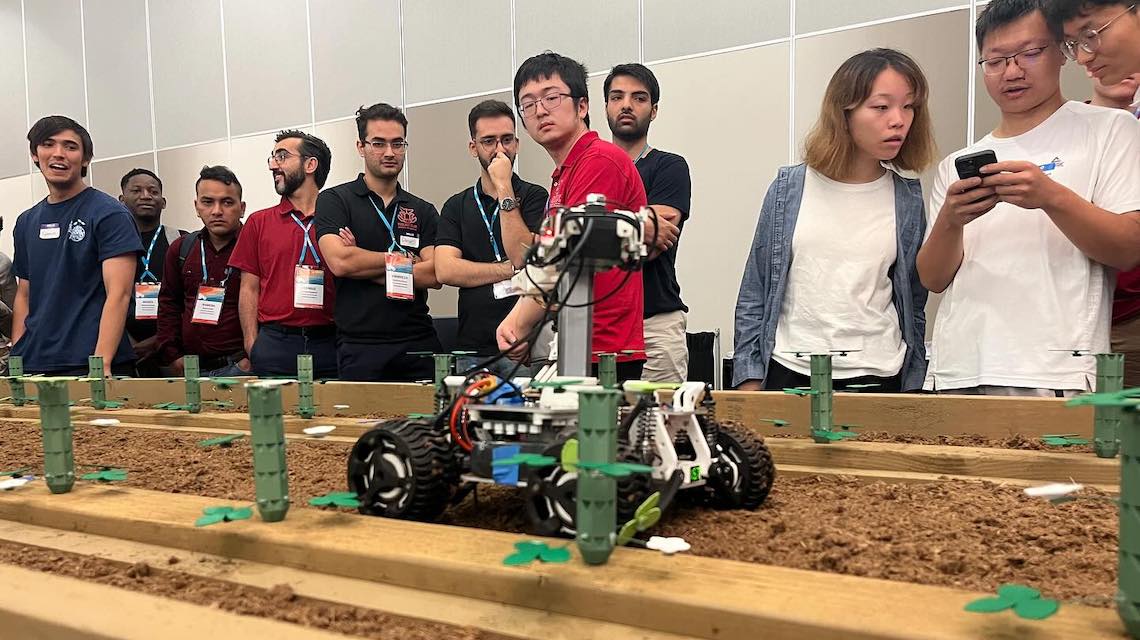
x=278, y=602
x=971, y=535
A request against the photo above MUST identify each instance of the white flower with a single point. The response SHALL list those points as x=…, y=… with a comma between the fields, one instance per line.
x=12, y=483
x=319, y=431
x=668, y=546
x=1055, y=490
x=340, y=407
x=105, y=422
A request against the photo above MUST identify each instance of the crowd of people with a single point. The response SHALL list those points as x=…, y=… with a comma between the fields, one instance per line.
x=1025, y=245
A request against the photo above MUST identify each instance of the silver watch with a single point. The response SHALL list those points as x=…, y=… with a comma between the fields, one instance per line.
x=508, y=204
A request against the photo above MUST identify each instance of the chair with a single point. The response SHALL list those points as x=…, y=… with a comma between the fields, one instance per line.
x=704, y=356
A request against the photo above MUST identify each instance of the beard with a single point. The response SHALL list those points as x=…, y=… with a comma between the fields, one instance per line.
x=486, y=162
x=293, y=181
x=621, y=131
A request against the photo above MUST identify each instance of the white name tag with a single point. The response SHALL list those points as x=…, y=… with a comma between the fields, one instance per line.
x=504, y=289
x=49, y=231
x=398, y=277
x=146, y=300
x=308, y=288
x=410, y=242
x=208, y=308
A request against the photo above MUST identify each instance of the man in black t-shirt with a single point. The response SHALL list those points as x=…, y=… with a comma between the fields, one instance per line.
x=378, y=240
x=470, y=249
x=142, y=195
x=632, y=94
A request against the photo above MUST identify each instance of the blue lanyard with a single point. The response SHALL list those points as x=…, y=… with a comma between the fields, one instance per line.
x=489, y=222
x=391, y=232
x=205, y=273
x=146, y=259
x=308, y=245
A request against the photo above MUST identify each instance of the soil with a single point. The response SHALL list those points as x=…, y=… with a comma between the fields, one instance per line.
x=278, y=602
x=971, y=535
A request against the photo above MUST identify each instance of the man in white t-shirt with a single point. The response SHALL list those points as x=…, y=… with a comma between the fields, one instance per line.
x=1027, y=254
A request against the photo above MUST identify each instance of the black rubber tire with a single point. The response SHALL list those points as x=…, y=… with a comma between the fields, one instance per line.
x=402, y=469
x=754, y=471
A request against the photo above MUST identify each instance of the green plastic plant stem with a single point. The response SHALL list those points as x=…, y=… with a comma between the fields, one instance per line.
x=98, y=383
x=444, y=365
x=1128, y=558
x=55, y=420
x=822, y=395
x=597, y=492
x=1106, y=420
x=16, y=369
x=607, y=370
x=267, y=437
x=305, y=407
x=193, y=384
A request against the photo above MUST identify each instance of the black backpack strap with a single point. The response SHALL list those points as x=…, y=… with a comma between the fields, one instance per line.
x=188, y=241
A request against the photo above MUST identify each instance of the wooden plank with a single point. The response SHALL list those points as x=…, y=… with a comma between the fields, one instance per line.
x=922, y=414
x=502, y=619
x=43, y=605
x=912, y=477
x=685, y=595
x=1037, y=466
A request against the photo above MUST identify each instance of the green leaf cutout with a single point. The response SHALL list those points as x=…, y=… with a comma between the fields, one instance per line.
x=650, y=387
x=799, y=392
x=214, y=515
x=776, y=422
x=1025, y=601
x=628, y=530
x=570, y=455
x=1125, y=398
x=530, y=550
x=652, y=502
x=221, y=441
x=1017, y=592
x=420, y=416
x=225, y=383
x=1063, y=441
x=1036, y=609
x=337, y=499
x=106, y=475
x=989, y=605
x=527, y=459
x=616, y=469
x=15, y=473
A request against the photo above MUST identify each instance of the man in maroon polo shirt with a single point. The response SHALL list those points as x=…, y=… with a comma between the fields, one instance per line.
x=287, y=294
x=198, y=302
x=551, y=96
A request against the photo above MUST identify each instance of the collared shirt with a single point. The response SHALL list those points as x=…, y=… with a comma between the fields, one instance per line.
x=596, y=166
x=269, y=247
x=177, y=335
x=364, y=313
x=462, y=225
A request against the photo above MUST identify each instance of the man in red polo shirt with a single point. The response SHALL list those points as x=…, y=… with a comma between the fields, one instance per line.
x=551, y=95
x=287, y=294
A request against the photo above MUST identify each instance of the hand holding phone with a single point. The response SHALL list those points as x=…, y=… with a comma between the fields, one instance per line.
x=966, y=199
x=970, y=165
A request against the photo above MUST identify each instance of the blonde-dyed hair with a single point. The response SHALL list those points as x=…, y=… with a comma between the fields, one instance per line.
x=830, y=148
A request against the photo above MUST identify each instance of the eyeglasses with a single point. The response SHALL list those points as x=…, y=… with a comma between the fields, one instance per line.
x=550, y=103
x=378, y=146
x=1024, y=59
x=281, y=155
x=489, y=143
x=1089, y=39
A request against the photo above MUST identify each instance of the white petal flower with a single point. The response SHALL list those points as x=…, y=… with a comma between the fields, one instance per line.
x=319, y=431
x=1055, y=490
x=668, y=546
x=104, y=422
x=340, y=407
x=12, y=483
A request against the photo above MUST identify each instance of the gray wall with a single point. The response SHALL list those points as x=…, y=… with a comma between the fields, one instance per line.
x=174, y=84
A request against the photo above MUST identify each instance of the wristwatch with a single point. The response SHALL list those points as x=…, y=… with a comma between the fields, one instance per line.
x=508, y=204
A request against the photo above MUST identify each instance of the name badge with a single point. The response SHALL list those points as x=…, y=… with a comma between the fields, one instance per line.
x=146, y=300
x=409, y=241
x=505, y=289
x=308, y=287
x=49, y=231
x=398, y=276
x=208, y=308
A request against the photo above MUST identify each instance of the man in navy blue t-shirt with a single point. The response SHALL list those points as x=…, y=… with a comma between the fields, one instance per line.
x=75, y=260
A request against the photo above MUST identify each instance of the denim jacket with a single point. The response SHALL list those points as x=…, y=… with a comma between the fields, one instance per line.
x=766, y=277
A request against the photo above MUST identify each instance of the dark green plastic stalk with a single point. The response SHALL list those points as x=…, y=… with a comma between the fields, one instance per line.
x=267, y=436
x=305, y=406
x=55, y=420
x=15, y=370
x=607, y=370
x=444, y=365
x=193, y=372
x=1128, y=558
x=98, y=383
x=1106, y=421
x=597, y=493
x=821, y=397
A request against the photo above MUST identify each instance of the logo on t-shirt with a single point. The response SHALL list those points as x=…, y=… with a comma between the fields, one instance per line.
x=406, y=218
x=76, y=231
x=1051, y=165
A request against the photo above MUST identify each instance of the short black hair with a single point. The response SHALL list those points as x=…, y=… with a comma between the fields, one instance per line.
x=546, y=65
x=219, y=173
x=49, y=126
x=1058, y=12
x=311, y=147
x=1002, y=12
x=638, y=72
x=138, y=172
x=488, y=109
x=378, y=111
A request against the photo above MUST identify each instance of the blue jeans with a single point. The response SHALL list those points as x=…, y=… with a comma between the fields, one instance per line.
x=231, y=370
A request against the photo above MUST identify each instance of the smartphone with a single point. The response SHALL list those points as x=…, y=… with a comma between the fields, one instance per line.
x=970, y=165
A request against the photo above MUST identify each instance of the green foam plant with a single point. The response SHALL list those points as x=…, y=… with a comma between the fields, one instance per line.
x=528, y=551
x=214, y=515
x=346, y=499
x=221, y=441
x=1025, y=601
x=646, y=515
x=106, y=475
x=526, y=459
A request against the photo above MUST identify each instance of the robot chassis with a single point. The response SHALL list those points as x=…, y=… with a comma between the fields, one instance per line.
x=415, y=468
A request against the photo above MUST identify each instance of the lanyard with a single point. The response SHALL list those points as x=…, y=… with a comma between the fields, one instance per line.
x=205, y=273
x=391, y=232
x=146, y=259
x=644, y=150
x=308, y=244
x=488, y=222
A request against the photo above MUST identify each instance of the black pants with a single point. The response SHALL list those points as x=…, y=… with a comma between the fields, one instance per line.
x=625, y=370
x=780, y=377
x=276, y=349
x=123, y=369
x=397, y=362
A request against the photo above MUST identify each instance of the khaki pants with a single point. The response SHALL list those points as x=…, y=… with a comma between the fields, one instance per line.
x=1126, y=340
x=666, y=349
